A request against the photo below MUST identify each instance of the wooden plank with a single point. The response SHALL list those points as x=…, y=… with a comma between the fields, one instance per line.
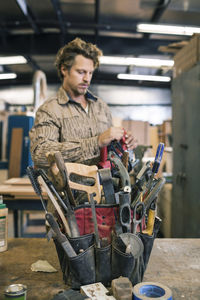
x=15, y=153
x=19, y=191
x=18, y=181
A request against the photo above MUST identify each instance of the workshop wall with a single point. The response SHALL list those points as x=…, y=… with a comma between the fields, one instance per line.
x=139, y=107
x=128, y=103
x=137, y=103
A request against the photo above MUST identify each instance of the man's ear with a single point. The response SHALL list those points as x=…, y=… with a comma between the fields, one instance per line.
x=63, y=70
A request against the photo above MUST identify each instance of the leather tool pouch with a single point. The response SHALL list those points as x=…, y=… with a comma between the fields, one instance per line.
x=103, y=264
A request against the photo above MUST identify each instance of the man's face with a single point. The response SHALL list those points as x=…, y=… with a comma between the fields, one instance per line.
x=77, y=80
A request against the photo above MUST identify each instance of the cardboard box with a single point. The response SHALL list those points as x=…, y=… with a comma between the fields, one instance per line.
x=117, y=122
x=188, y=56
x=139, y=129
x=154, y=139
x=164, y=209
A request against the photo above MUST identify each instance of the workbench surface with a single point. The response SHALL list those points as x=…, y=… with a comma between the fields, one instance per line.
x=173, y=262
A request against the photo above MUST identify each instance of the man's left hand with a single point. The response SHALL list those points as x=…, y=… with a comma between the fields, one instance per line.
x=130, y=141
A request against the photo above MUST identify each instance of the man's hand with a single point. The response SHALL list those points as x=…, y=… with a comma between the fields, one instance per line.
x=111, y=134
x=130, y=141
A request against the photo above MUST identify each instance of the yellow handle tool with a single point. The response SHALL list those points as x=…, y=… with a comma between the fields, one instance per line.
x=150, y=220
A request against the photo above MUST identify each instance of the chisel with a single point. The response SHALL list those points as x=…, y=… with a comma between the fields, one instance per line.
x=61, y=238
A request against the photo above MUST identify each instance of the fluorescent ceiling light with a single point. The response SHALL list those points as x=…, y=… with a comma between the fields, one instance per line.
x=135, y=61
x=167, y=29
x=7, y=76
x=144, y=77
x=12, y=60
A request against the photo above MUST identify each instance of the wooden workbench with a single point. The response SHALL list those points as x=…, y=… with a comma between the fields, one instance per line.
x=173, y=262
x=19, y=196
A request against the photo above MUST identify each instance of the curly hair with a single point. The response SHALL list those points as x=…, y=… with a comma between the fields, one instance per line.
x=67, y=54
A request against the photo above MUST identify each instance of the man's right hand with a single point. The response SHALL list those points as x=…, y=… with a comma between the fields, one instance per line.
x=111, y=134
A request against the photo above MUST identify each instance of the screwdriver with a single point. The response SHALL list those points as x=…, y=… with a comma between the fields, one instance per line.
x=156, y=164
x=158, y=158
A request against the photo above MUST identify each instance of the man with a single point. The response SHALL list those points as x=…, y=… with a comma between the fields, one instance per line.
x=74, y=122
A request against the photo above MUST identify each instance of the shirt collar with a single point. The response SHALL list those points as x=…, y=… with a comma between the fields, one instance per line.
x=64, y=98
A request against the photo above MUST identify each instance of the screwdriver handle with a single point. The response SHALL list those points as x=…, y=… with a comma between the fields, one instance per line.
x=158, y=158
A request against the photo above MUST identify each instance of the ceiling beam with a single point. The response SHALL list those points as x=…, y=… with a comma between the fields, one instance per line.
x=161, y=7
x=50, y=43
x=32, y=63
x=28, y=14
x=97, y=8
x=59, y=13
x=54, y=23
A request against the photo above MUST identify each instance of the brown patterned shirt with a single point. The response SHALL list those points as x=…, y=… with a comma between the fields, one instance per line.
x=63, y=125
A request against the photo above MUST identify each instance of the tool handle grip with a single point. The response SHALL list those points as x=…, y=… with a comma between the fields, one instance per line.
x=54, y=225
x=123, y=141
x=158, y=158
x=104, y=162
x=104, y=154
x=68, y=249
x=155, y=167
x=63, y=170
x=150, y=222
x=61, y=238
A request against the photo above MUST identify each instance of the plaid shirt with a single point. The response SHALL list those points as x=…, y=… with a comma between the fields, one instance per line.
x=63, y=125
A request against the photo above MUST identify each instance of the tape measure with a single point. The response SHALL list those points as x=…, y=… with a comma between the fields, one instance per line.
x=150, y=291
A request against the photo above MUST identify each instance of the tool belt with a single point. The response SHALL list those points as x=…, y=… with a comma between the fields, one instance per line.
x=107, y=232
x=93, y=264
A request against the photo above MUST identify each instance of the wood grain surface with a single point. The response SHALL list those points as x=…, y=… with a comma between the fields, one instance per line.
x=176, y=264
x=15, y=267
x=173, y=262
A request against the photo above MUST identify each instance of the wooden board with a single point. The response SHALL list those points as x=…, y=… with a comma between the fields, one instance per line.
x=18, y=181
x=19, y=191
x=14, y=168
